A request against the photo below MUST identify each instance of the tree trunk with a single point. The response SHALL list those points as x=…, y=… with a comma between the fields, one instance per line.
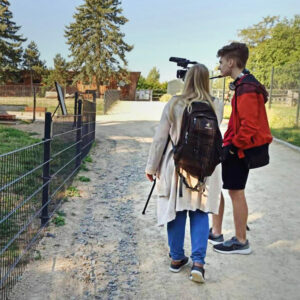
x=98, y=87
x=31, y=82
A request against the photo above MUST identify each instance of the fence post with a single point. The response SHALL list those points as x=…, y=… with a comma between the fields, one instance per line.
x=105, y=99
x=76, y=103
x=79, y=132
x=271, y=87
x=298, y=110
x=75, y=108
x=94, y=97
x=34, y=104
x=46, y=168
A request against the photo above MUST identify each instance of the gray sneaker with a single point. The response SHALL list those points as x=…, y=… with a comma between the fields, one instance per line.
x=233, y=246
x=215, y=239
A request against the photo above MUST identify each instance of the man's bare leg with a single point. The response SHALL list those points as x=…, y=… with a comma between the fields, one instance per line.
x=218, y=219
x=240, y=213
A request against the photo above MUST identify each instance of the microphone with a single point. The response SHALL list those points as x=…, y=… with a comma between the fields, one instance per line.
x=177, y=59
x=214, y=77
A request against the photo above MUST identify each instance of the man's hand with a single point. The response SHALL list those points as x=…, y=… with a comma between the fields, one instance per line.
x=149, y=177
x=228, y=150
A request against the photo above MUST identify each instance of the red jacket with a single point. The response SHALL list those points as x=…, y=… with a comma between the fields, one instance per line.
x=248, y=125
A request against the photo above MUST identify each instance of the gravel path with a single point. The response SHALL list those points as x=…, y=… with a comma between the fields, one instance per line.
x=108, y=250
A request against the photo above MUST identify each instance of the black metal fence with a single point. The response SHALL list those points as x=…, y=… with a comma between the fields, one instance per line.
x=32, y=180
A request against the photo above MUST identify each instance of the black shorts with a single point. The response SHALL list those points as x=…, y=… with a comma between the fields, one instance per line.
x=234, y=173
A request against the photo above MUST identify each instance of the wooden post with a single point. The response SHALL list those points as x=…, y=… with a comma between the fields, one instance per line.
x=34, y=104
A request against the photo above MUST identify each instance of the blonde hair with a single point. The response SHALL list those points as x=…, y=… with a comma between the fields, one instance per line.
x=196, y=88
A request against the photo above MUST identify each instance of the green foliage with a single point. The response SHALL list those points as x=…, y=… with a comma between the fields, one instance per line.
x=151, y=83
x=59, y=221
x=33, y=133
x=88, y=159
x=290, y=135
x=72, y=191
x=260, y=32
x=32, y=62
x=153, y=75
x=65, y=199
x=96, y=42
x=84, y=179
x=282, y=121
x=61, y=213
x=60, y=73
x=37, y=255
x=274, y=42
x=10, y=44
x=83, y=167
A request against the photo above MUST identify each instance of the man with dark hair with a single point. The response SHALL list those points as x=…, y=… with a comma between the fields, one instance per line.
x=247, y=128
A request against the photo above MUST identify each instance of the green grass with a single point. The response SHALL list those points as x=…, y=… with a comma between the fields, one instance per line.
x=12, y=139
x=59, y=221
x=50, y=104
x=37, y=255
x=84, y=179
x=72, y=191
x=61, y=213
x=282, y=121
x=33, y=133
x=65, y=199
x=290, y=135
x=88, y=159
x=100, y=107
x=83, y=167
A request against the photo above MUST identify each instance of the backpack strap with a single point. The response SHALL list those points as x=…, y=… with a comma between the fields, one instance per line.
x=180, y=186
x=165, y=149
x=199, y=187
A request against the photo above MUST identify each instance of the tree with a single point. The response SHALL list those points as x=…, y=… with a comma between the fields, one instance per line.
x=60, y=73
x=96, y=42
x=153, y=75
x=32, y=62
x=10, y=44
x=258, y=33
x=274, y=42
x=152, y=81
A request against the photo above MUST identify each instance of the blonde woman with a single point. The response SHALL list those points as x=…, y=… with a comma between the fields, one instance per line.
x=171, y=208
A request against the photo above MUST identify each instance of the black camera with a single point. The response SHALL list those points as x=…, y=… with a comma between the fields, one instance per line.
x=182, y=62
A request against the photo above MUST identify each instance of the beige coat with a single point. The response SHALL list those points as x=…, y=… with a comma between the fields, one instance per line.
x=163, y=167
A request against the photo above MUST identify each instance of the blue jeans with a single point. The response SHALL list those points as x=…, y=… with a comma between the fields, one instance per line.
x=199, y=228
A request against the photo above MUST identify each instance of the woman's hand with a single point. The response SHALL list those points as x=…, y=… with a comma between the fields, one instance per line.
x=149, y=177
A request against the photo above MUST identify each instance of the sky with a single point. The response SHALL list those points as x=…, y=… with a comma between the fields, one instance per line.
x=158, y=29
